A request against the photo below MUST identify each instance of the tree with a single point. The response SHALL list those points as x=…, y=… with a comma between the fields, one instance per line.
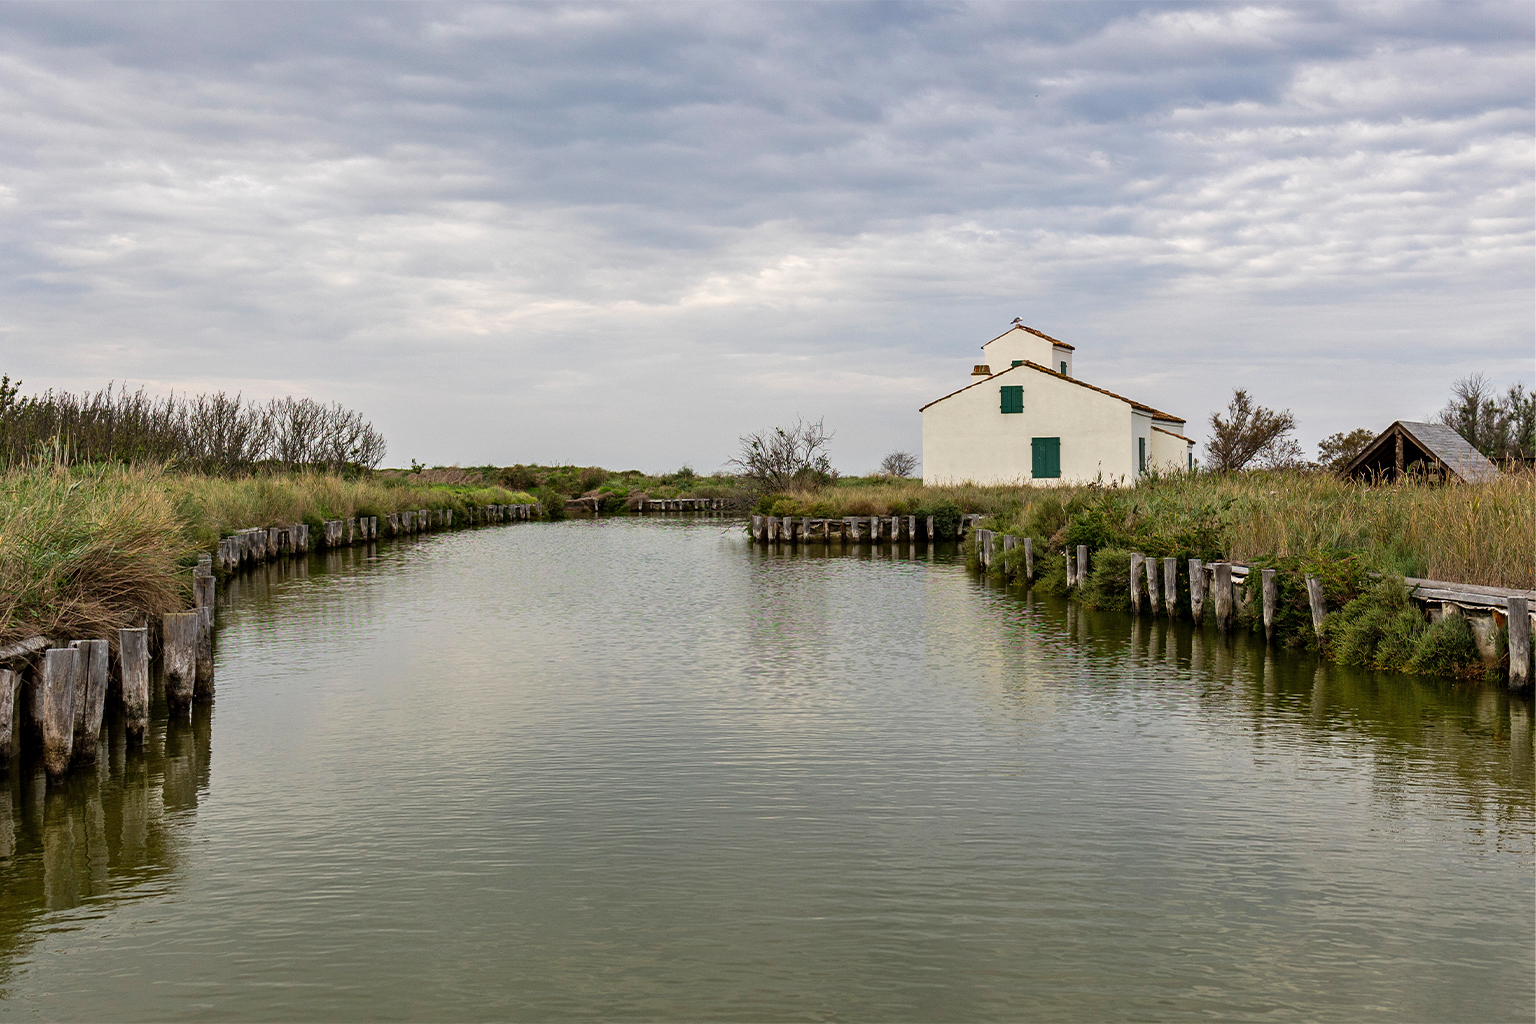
x=1335, y=450
x=898, y=464
x=782, y=457
x=1499, y=428
x=1248, y=431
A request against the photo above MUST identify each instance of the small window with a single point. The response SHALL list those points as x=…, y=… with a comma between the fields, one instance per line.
x=1045, y=457
x=1141, y=450
x=1013, y=398
x=1191, y=461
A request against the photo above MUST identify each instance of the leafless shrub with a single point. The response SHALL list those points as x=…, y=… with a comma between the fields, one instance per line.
x=1248, y=431
x=785, y=456
x=902, y=464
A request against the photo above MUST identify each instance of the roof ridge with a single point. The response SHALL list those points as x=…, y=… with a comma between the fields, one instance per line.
x=1157, y=414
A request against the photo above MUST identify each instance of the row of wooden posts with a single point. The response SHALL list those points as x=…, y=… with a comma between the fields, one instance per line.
x=1225, y=583
x=681, y=505
x=852, y=529
x=65, y=696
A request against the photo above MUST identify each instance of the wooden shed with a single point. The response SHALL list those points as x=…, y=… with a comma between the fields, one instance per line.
x=1432, y=449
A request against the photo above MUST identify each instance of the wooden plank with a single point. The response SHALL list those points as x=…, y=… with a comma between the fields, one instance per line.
x=133, y=664
x=25, y=649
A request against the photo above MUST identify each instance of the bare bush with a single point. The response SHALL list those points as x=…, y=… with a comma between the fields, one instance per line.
x=783, y=457
x=1248, y=431
x=901, y=464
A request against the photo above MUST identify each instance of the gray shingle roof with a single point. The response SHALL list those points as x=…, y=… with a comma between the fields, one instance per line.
x=1453, y=450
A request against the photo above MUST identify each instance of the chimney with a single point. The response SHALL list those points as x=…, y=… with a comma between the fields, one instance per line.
x=981, y=370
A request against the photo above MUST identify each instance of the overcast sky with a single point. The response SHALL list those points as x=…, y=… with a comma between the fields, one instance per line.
x=627, y=234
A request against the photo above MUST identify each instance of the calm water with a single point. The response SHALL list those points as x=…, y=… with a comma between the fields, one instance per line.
x=636, y=769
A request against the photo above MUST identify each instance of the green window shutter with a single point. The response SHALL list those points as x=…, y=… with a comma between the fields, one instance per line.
x=1013, y=399
x=1018, y=362
x=1141, y=453
x=1063, y=367
x=1045, y=457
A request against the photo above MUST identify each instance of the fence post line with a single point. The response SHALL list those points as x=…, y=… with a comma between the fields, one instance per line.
x=1519, y=624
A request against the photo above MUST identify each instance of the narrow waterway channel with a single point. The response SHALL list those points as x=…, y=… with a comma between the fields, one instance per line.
x=640, y=769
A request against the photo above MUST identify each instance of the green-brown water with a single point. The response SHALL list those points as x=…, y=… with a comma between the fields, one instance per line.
x=634, y=769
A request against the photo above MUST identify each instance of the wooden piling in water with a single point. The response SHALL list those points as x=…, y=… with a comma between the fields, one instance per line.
x=8, y=682
x=133, y=663
x=203, y=598
x=1136, y=559
x=90, y=696
x=1318, y=605
x=1082, y=564
x=1197, y=590
x=1171, y=587
x=60, y=667
x=1009, y=543
x=1071, y=573
x=1222, y=591
x=1029, y=559
x=179, y=653
x=1270, y=592
x=1154, y=595
x=1519, y=625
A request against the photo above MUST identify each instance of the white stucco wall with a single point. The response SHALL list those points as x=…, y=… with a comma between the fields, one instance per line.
x=1141, y=429
x=967, y=436
x=1059, y=356
x=1169, y=453
x=999, y=353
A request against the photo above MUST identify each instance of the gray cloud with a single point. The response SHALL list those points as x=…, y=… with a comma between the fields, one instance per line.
x=628, y=233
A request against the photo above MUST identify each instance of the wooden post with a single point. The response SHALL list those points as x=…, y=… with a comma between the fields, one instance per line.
x=1082, y=564
x=1271, y=593
x=1171, y=587
x=60, y=666
x=1399, y=455
x=1136, y=559
x=985, y=537
x=133, y=661
x=1154, y=596
x=874, y=529
x=1319, y=607
x=1223, y=594
x=7, y=716
x=179, y=648
x=1519, y=623
x=1197, y=590
x=1009, y=543
x=1071, y=571
x=929, y=527
x=90, y=696
x=850, y=529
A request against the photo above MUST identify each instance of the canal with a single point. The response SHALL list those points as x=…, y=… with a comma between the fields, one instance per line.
x=638, y=769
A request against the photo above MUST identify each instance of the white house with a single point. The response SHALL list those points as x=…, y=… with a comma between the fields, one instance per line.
x=1024, y=418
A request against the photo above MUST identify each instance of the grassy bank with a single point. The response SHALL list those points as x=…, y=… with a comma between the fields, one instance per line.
x=84, y=550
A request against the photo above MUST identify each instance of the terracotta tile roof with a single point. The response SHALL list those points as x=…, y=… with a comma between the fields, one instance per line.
x=1038, y=334
x=1156, y=414
x=1170, y=433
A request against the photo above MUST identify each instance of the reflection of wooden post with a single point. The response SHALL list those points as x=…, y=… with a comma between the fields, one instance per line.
x=1154, y=597
x=180, y=654
x=60, y=666
x=1171, y=587
x=7, y=716
x=1519, y=643
x=90, y=696
x=1271, y=594
x=1136, y=560
x=1197, y=590
x=1223, y=594
x=1029, y=559
x=1319, y=608
x=133, y=657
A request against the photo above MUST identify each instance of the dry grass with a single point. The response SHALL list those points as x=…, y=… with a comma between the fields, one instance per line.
x=85, y=551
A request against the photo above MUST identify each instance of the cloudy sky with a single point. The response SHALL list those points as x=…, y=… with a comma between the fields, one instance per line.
x=626, y=234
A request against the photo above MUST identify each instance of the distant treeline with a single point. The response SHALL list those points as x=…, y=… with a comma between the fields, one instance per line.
x=215, y=433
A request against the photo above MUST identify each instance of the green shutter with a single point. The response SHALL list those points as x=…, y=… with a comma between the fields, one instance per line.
x=1045, y=457
x=1017, y=362
x=1013, y=399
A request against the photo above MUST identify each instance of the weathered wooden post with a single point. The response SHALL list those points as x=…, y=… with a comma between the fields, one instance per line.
x=850, y=529
x=60, y=667
x=1197, y=590
x=1071, y=571
x=1319, y=606
x=1136, y=559
x=1271, y=594
x=1029, y=559
x=1082, y=564
x=1223, y=594
x=984, y=540
x=133, y=661
x=90, y=696
x=202, y=603
x=929, y=527
x=8, y=681
x=1519, y=625
x=1009, y=543
x=874, y=529
x=179, y=650
x=1154, y=596
x=1171, y=587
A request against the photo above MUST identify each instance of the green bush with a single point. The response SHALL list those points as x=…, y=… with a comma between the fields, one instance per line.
x=1446, y=648
x=1109, y=579
x=946, y=516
